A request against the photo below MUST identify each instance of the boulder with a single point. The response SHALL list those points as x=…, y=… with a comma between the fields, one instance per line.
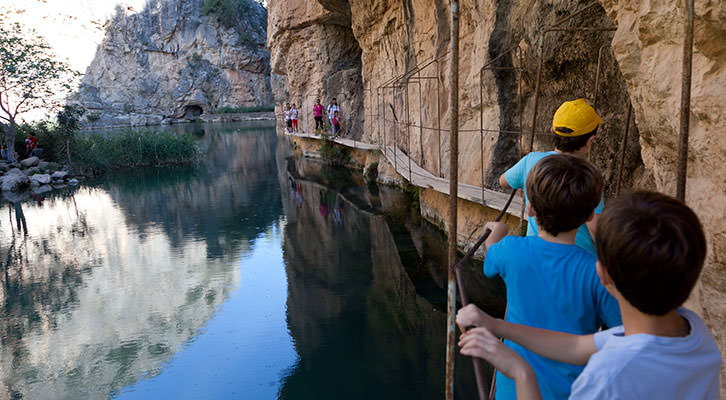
x=42, y=189
x=31, y=171
x=73, y=182
x=59, y=175
x=30, y=162
x=14, y=179
x=40, y=179
x=47, y=166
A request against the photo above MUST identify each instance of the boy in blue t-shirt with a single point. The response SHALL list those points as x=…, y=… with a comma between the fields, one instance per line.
x=574, y=127
x=651, y=250
x=551, y=282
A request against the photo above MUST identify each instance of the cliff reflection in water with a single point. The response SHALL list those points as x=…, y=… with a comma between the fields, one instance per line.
x=366, y=316
x=109, y=282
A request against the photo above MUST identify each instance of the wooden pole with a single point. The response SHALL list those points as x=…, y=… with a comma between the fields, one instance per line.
x=453, y=194
x=685, y=102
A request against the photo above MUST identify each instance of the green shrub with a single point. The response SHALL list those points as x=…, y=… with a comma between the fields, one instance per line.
x=333, y=154
x=133, y=148
x=412, y=192
x=227, y=12
x=371, y=174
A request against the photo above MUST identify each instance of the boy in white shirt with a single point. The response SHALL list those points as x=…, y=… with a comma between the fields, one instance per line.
x=651, y=250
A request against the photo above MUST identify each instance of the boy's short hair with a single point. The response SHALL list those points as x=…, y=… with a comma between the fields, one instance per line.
x=564, y=191
x=573, y=143
x=653, y=248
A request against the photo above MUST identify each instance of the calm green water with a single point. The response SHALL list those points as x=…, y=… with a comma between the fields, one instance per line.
x=253, y=276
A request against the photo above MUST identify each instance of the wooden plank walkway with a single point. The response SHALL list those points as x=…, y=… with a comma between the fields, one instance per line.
x=420, y=177
x=344, y=141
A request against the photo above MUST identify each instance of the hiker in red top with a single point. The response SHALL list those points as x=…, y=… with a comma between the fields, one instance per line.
x=31, y=143
x=318, y=114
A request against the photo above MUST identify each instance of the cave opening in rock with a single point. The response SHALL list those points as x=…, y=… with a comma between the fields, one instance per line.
x=192, y=111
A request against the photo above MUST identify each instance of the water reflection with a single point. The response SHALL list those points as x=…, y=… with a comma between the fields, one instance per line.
x=366, y=316
x=255, y=275
x=104, y=284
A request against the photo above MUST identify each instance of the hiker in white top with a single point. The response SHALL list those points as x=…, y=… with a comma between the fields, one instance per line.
x=332, y=108
x=288, y=119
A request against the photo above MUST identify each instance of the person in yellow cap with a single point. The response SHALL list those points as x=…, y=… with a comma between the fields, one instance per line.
x=574, y=127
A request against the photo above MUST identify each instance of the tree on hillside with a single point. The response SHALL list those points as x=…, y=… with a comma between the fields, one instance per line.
x=30, y=78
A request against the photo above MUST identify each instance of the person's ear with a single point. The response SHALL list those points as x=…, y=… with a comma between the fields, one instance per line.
x=589, y=141
x=530, y=211
x=602, y=272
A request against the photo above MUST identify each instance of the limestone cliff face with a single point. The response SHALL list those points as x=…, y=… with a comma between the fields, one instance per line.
x=170, y=61
x=639, y=45
x=649, y=47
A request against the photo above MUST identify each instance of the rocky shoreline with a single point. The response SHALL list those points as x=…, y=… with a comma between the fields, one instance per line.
x=229, y=117
x=33, y=176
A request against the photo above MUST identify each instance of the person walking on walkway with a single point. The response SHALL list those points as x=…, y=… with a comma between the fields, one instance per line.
x=293, y=117
x=336, y=124
x=332, y=109
x=288, y=119
x=318, y=114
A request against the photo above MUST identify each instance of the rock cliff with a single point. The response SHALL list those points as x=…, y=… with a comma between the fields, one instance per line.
x=637, y=45
x=649, y=48
x=176, y=59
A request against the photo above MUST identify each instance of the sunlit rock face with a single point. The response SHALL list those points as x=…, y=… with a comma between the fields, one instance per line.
x=168, y=61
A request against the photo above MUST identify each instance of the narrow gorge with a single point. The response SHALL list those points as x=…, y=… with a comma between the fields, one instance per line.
x=384, y=56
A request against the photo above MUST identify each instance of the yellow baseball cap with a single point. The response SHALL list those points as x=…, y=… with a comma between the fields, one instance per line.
x=577, y=116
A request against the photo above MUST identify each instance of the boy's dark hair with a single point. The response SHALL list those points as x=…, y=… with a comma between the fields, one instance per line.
x=571, y=144
x=653, y=247
x=564, y=191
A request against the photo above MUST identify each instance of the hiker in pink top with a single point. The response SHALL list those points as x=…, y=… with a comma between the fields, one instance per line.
x=318, y=114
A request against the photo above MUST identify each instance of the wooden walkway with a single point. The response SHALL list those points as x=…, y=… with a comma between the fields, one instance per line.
x=420, y=177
